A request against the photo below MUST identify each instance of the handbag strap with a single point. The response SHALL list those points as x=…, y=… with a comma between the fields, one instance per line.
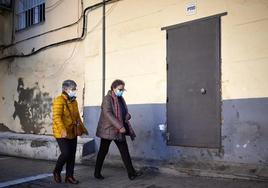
x=68, y=109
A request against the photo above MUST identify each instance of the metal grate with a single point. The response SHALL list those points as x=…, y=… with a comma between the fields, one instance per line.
x=29, y=12
x=5, y=4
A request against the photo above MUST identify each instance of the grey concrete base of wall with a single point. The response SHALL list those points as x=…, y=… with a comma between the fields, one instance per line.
x=244, y=134
x=40, y=146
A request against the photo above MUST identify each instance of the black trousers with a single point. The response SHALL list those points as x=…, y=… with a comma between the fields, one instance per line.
x=123, y=148
x=68, y=150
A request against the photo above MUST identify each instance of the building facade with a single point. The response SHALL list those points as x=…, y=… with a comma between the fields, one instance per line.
x=213, y=95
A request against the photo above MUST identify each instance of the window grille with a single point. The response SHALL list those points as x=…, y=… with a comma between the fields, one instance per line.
x=29, y=12
x=6, y=4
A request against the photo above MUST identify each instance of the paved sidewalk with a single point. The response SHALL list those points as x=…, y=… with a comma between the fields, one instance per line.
x=201, y=169
x=35, y=173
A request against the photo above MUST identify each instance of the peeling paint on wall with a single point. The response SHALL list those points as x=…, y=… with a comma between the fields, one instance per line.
x=37, y=143
x=33, y=108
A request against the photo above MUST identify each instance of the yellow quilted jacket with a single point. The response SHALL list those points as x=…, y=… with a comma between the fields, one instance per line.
x=64, y=118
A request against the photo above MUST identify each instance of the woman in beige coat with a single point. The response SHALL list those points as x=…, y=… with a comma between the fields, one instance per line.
x=114, y=126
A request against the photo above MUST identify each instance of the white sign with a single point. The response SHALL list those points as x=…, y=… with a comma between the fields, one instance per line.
x=162, y=127
x=191, y=8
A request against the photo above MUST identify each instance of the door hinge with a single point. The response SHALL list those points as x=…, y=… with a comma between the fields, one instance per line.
x=167, y=36
x=167, y=99
x=167, y=66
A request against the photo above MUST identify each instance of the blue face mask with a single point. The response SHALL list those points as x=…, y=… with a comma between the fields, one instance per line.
x=72, y=93
x=119, y=93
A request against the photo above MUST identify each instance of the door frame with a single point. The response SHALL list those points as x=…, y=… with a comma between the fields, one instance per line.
x=219, y=88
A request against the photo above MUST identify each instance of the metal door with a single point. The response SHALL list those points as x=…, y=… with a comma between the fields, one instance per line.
x=193, y=84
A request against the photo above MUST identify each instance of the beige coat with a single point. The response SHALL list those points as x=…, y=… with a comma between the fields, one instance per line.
x=109, y=125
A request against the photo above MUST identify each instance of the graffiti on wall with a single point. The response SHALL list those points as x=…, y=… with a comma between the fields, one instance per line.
x=33, y=108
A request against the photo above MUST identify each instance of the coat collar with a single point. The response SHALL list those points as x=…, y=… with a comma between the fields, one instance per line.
x=109, y=92
x=66, y=97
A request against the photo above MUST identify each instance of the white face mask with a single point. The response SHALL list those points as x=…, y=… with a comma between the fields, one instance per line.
x=72, y=93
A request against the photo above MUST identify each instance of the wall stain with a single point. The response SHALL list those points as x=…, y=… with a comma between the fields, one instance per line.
x=222, y=167
x=153, y=186
x=250, y=132
x=32, y=108
x=37, y=143
x=4, y=128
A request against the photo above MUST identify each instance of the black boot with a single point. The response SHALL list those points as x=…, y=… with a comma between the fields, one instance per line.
x=98, y=176
x=57, y=177
x=71, y=180
x=134, y=175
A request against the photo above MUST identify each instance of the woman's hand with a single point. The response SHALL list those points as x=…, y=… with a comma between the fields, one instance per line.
x=128, y=116
x=132, y=137
x=122, y=130
x=85, y=132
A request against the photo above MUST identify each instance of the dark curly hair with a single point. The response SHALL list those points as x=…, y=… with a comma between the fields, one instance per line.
x=117, y=83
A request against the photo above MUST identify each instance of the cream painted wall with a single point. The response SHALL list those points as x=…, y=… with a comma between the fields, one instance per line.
x=136, y=48
x=5, y=27
x=93, y=58
x=245, y=50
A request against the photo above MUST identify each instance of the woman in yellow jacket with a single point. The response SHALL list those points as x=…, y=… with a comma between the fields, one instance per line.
x=67, y=125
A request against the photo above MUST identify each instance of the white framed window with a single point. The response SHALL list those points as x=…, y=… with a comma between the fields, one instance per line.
x=29, y=12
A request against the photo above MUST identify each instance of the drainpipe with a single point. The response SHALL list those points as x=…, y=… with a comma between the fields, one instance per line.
x=13, y=22
x=103, y=48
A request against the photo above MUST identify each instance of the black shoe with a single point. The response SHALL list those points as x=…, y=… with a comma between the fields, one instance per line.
x=138, y=173
x=57, y=177
x=98, y=176
x=71, y=180
x=132, y=177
